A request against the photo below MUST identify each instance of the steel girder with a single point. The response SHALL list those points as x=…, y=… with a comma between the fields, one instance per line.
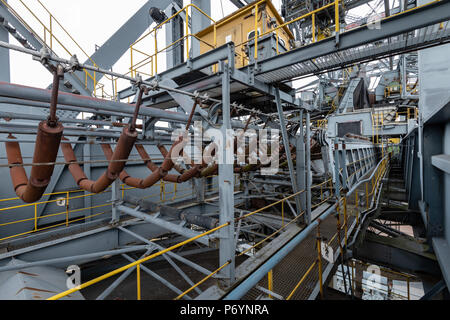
x=392, y=26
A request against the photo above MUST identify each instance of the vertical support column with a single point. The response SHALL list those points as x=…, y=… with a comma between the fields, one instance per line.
x=116, y=193
x=287, y=149
x=308, y=169
x=199, y=22
x=87, y=171
x=5, y=74
x=174, y=32
x=115, y=197
x=343, y=166
x=226, y=184
x=337, y=184
x=199, y=184
x=300, y=163
x=246, y=193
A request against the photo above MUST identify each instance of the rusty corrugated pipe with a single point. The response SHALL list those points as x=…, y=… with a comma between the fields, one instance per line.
x=48, y=139
x=115, y=167
x=164, y=153
x=46, y=150
x=136, y=110
x=144, y=155
x=158, y=173
x=58, y=75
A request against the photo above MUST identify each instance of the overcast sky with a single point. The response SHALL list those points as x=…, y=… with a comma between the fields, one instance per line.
x=90, y=22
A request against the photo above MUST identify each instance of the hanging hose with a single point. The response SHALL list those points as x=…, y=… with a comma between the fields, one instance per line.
x=122, y=152
x=158, y=173
x=116, y=158
x=48, y=139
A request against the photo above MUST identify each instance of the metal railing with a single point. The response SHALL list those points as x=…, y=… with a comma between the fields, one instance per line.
x=69, y=196
x=150, y=61
x=65, y=196
x=280, y=202
x=343, y=214
x=49, y=31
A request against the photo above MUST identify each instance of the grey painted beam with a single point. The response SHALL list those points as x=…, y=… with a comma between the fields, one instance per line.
x=197, y=63
x=82, y=257
x=442, y=162
x=300, y=162
x=157, y=277
x=442, y=250
x=395, y=25
x=226, y=184
x=115, y=47
x=287, y=149
x=165, y=256
x=239, y=3
x=4, y=57
x=41, y=95
x=188, y=233
x=308, y=168
x=36, y=43
x=170, y=253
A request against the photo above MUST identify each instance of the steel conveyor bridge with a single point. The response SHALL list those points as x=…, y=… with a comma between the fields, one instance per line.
x=336, y=219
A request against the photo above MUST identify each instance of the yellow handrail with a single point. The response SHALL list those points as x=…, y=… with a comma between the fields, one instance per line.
x=50, y=30
x=139, y=262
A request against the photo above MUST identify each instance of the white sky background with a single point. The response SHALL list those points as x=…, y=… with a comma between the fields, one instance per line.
x=90, y=22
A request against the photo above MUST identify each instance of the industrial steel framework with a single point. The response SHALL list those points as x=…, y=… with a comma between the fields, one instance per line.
x=78, y=204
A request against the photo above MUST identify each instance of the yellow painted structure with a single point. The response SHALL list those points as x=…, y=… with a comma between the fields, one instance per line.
x=239, y=27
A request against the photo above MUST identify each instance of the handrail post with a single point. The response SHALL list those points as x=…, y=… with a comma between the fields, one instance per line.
x=175, y=191
x=270, y=282
x=313, y=27
x=67, y=209
x=367, y=195
x=345, y=220
x=319, y=259
x=156, y=53
x=282, y=213
x=51, y=33
x=336, y=18
x=256, y=32
x=35, y=217
x=408, y=287
x=131, y=57
x=187, y=33
x=138, y=275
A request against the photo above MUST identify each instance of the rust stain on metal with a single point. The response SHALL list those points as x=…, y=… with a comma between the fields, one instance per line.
x=34, y=289
x=28, y=274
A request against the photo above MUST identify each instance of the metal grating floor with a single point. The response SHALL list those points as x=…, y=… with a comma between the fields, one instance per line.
x=405, y=42
x=288, y=273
